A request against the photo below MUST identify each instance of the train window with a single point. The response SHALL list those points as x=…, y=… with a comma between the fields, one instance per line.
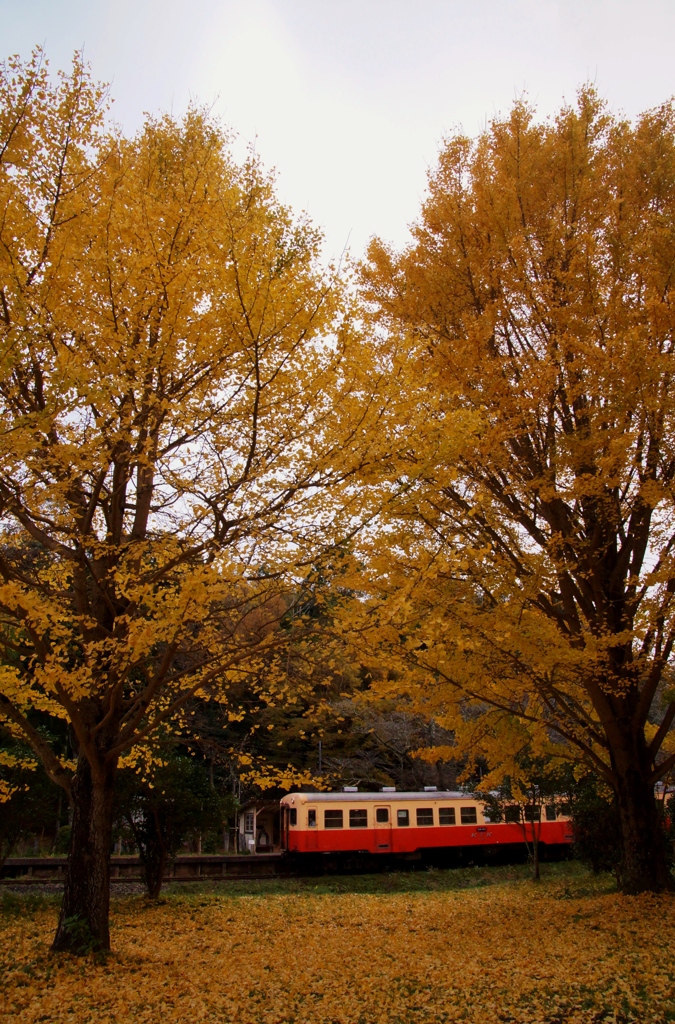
x=357, y=819
x=564, y=809
x=402, y=818
x=425, y=815
x=512, y=814
x=293, y=816
x=311, y=819
x=332, y=819
x=550, y=812
x=446, y=816
x=532, y=813
x=382, y=815
x=468, y=815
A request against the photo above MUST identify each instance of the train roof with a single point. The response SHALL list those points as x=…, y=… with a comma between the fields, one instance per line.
x=351, y=797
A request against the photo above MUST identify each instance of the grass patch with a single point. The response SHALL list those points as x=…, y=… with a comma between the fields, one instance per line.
x=574, y=874
x=26, y=904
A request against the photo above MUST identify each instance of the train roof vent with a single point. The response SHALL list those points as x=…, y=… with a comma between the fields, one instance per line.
x=350, y=789
x=388, y=789
x=430, y=789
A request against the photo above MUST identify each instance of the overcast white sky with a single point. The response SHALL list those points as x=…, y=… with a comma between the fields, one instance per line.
x=349, y=99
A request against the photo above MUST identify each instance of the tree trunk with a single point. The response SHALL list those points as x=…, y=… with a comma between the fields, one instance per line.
x=57, y=825
x=536, y=828
x=7, y=844
x=154, y=869
x=153, y=851
x=644, y=867
x=83, y=924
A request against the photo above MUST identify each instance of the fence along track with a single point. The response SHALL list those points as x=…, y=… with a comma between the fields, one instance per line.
x=187, y=868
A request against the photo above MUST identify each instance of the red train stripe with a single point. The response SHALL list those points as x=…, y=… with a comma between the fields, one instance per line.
x=409, y=840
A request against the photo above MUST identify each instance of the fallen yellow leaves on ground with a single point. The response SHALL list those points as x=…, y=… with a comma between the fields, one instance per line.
x=510, y=952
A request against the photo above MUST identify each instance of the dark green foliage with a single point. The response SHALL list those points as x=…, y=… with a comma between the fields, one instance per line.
x=539, y=784
x=596, y=825
x=176, y=802
x=62, y=841
x=495, y=804
x=666, y=808
x=34, y=810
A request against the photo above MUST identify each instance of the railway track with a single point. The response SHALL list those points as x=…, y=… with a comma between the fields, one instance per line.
x=187, y=868
x=232, y=867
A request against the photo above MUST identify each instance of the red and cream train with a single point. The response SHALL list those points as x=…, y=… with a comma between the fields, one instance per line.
x=410, y=825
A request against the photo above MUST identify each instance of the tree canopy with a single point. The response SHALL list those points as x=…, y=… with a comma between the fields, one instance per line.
x=197, y=420
x=529, y=584
x=182, y=401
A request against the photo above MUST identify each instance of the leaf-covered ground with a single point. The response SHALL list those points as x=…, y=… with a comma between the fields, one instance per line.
x=469, y=946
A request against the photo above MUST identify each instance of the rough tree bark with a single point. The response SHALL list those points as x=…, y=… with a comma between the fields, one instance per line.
x=83, y=923
x=536, y=829
x=644, y=866
x=152, y=850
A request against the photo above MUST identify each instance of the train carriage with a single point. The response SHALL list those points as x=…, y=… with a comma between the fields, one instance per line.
x=409, y=824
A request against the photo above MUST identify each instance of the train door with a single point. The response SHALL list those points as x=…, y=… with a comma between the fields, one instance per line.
x=312, y=841
x=283, y=840
x=383, y=829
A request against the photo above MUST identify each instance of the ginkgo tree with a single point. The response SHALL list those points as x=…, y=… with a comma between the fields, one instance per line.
x=528, y=574
x=181, y=402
